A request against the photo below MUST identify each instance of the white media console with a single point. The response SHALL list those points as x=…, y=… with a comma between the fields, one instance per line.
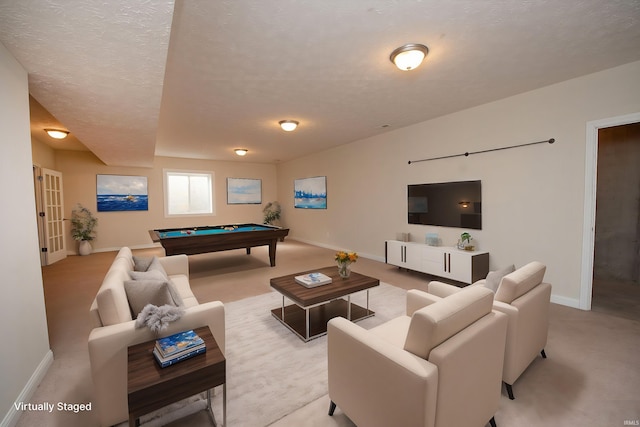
x=442, y=261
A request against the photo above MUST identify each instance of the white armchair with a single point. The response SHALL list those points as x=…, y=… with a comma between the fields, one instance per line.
x=438, y=366
x=524, y=298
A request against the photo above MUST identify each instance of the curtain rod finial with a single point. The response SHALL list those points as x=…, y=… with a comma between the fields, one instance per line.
x=552, y=140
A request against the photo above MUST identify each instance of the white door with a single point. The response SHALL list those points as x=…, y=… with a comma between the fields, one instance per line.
x=50, y=211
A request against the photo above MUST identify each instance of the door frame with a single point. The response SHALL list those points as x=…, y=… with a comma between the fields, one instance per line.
x=590, y=182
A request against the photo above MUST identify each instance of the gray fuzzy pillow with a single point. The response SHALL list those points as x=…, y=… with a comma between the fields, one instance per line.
x=158, y=318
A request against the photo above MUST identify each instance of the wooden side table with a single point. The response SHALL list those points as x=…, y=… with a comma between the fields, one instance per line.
x=151, y=387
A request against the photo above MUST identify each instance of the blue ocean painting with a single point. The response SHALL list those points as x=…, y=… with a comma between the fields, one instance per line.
x=310, y=193
x=244, y=191
x=122, y=193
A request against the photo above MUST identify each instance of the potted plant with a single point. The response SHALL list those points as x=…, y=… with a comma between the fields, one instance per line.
x=83, y=224
x=466, y=237
x=271, y=212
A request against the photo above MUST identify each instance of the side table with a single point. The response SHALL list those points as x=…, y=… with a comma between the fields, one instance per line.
x=151, y=387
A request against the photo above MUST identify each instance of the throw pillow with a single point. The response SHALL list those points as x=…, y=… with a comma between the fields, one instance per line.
x=158, y=318
x=141, y=263
x=157, y=266
x=495, y=277
x=147, y=275
x=143, y=292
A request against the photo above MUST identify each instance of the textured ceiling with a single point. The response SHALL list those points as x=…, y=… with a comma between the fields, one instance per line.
x=199, y=78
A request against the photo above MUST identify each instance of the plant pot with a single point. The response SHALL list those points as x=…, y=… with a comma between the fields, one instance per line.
x=84, y=247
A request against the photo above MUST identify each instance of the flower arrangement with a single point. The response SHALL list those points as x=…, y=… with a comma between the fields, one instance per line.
x=343, y=257
x=82, y=223
x=344, y=260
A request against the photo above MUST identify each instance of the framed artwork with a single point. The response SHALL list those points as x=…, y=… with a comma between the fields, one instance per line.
x=122, y=193
x=310, y=193
x=244, y=191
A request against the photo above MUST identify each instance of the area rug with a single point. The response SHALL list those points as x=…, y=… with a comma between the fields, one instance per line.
x=270, y=371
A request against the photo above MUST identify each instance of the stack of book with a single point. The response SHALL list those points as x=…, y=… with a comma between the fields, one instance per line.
x=178, y=347
x=312, y=280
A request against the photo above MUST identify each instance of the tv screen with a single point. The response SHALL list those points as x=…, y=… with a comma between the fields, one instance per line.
x=447, y=204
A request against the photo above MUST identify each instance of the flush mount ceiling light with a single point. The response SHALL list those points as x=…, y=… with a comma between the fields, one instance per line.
x=288, y=125
x=57, y=134
x=241, y=151
x=409, y=56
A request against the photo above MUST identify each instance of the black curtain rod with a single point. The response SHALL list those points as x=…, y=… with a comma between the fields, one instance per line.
x=550, y=141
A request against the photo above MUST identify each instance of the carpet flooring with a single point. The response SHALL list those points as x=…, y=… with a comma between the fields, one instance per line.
x=591, y=377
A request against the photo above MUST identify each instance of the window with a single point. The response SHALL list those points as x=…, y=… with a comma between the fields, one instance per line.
x=188, y=193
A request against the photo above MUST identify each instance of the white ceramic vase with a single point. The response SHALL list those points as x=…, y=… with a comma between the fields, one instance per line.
x=84, y=248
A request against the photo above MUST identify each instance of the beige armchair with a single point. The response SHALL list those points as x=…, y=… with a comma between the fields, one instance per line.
x=438, y=366
x=524, y=298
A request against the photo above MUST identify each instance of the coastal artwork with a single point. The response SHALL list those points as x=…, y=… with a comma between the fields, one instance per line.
x=310, y=193
x=122, y=193
x=244, y=191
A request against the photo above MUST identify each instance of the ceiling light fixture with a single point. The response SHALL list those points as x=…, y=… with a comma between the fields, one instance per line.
x=241, y=151
x=288, y=125
x=57, y=134
x=409, y=56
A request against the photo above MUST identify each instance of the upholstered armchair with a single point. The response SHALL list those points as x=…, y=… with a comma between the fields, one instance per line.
x=524, y=298
x=440, y=365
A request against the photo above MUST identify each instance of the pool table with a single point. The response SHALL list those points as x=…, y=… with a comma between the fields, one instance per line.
x=198, y=240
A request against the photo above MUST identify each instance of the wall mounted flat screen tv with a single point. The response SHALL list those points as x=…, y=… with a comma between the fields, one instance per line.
x=446, y=204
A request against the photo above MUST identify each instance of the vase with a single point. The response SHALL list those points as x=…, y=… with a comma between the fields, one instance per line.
x=84, y=248
x=344, y=269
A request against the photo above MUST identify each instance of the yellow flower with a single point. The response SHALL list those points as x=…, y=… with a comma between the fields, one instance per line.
x=343, y=256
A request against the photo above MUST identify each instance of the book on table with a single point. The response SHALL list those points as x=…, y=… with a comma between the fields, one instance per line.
x=311, y=280
x=178, y=343
x=178, y=357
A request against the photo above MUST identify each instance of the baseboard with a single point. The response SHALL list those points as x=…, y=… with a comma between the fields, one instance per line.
x=569, y=302
x=117, y=248
x=12, y=417
x=337, y=248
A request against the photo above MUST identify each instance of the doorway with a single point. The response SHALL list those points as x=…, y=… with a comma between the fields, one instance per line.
x=616, y=265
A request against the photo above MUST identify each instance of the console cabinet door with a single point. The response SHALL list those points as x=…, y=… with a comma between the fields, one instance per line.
x=459, y=266
x=404, y=254
x=395, y=253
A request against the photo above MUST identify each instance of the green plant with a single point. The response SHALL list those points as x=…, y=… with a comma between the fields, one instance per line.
x=271, y=212
x=83, y=223
x=466, y=237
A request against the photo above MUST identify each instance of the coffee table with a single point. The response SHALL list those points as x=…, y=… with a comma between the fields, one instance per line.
x=314, y=307
x=151, y=387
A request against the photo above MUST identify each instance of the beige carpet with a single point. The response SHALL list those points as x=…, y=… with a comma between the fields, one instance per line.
x=591, y=378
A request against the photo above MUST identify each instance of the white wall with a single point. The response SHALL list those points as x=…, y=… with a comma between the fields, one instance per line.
x=25, y=343
x=532, y=196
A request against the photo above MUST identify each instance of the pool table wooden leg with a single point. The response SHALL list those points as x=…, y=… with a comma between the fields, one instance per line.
x=272, y=252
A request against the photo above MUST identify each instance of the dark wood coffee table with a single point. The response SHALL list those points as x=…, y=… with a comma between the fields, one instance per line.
x=314, y=307
x=151, y=387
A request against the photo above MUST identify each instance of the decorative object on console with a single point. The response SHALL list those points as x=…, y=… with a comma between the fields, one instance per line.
x=344, y=260
x=466, y=237
x=83, y=224
x=432, y=239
